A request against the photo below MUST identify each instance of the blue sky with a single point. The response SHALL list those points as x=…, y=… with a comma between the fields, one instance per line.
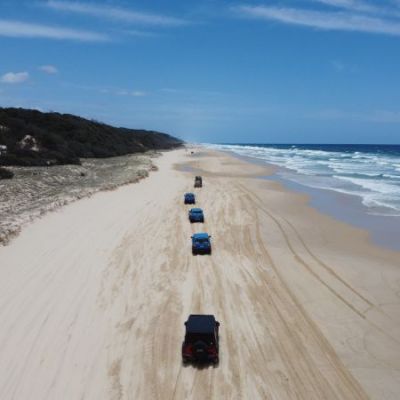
x=312, y=71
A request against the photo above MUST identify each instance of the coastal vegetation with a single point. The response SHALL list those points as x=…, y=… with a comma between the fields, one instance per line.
x=6, y=173
x=34, y=138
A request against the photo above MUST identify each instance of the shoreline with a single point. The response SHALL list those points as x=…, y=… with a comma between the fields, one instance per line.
x=348, y=208
x=94, y=296
x=383, y=230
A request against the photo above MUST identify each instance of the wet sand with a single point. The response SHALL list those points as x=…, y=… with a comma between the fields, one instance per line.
x=93, y=297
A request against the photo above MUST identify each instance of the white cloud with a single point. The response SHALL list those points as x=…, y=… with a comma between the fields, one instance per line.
x=341, y=67
x=18, y=29
x=114, y=13
x=386, y=116
x=384, y=8
x=125, y=92
x=338, y=66
x=170, y=90
x=343, y=20
x=138, y=33
x=339, y=3
x=14, y=77
x=376, y=116
x=48, y=69
x=349, y=4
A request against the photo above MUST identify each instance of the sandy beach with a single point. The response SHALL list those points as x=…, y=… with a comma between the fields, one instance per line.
x=35, y=191
x=93, y=296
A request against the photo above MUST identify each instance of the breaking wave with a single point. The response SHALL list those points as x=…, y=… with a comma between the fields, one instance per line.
x=371, y=172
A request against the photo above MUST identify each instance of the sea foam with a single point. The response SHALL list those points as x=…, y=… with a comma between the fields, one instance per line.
x=371, y=172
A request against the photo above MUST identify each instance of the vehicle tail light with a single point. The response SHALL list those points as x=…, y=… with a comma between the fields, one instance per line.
x=188, y=349
x=212, y=350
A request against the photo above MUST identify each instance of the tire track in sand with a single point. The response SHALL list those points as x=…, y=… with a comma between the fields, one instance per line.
x=362, y=314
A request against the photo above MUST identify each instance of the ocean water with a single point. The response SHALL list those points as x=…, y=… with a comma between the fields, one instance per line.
x=369, y=172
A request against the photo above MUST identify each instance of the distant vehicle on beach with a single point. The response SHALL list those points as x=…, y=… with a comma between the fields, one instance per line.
x=201, y=343
x=201, y=243
x=198, y=181
x=189, y=198
x=196, y=215
x=3, y=147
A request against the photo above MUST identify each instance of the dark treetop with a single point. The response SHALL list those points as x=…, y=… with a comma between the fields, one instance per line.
x=36, y=138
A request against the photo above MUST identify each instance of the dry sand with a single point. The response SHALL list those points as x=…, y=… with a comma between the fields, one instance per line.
x=35, y=191
x=93, y=297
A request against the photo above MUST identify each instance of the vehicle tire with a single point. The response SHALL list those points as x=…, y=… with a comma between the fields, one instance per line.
x=210, y=251
x=216, y=361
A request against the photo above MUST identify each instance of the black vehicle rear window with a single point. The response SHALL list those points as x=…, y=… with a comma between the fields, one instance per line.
x=194, y=337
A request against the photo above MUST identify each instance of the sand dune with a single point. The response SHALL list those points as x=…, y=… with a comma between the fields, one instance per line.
x=93, y=297
x=35, y=191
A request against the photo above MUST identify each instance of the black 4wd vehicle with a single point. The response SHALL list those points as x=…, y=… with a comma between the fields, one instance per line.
x=201, y=339
x=198, y=182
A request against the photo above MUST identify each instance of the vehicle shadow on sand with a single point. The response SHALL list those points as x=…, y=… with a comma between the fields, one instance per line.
x=200, y=366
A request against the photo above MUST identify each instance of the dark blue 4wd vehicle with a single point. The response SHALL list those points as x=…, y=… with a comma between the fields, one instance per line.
x=189, y=198
x=196, y=215
x=201, y=342
x=201, y=243
x=198, y=182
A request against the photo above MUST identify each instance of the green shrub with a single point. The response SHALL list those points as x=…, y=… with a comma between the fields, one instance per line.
x=66, y=138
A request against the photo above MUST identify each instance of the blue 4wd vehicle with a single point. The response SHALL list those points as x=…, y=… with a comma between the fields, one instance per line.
x=201, y=342
x=196, y=215
x=189, y=198
x=201, y=243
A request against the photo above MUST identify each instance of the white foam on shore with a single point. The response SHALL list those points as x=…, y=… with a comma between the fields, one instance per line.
x=374, y=177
